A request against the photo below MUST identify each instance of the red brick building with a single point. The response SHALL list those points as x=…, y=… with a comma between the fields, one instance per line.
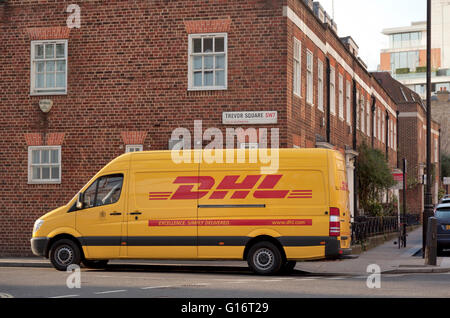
x=136, y=70
x=412, y=124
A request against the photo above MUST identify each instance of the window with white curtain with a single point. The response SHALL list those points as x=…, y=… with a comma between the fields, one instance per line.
x=48, y=67
x=207, y=61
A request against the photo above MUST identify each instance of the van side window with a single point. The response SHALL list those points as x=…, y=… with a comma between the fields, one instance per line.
x=89, y=195
x=109, y=189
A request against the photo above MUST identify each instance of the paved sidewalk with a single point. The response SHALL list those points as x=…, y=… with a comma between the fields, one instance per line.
x=388, y=257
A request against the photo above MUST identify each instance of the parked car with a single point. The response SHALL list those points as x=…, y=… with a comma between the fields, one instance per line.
x=442, y=214
x=445, y=200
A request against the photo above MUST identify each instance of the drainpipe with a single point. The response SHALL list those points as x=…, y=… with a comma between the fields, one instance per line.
x=398, y=139
x=328, y=129
x=355, y=173
x=374, y=101
x=387, y=136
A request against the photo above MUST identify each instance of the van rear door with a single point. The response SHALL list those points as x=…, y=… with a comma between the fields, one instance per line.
x=340, y=198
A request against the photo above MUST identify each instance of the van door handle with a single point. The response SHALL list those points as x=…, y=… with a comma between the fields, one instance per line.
x=135, y=213
x=115, y=213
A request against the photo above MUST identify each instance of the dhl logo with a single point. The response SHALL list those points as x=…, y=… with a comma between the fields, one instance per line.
x=229, y=184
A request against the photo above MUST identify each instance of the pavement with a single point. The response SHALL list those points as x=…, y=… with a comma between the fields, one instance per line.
x=387, y=258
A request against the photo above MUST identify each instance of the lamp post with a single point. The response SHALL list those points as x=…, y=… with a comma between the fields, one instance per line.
x=428, y=206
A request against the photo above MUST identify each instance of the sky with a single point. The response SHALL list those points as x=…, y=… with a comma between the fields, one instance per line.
x=364, y=20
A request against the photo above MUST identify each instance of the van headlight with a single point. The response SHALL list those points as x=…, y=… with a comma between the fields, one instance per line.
x=37, y=225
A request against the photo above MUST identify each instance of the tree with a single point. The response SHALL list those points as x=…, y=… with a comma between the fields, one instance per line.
x=374, y=177
x=445, y=164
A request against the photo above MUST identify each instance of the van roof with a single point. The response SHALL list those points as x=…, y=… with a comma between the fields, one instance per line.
x=286, y=153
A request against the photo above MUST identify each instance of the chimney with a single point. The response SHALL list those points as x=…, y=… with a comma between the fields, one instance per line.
x=443, y=96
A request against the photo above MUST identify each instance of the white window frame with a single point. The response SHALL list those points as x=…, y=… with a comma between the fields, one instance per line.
x=309, y=77
x=363, y=113
x=395, y=136
x=297, y=68
x=133, y=148
x=380, y=135
x=320, y=82
x=191, y=56
x=348, y=97
x=50, y=165
x=341, y=97
x=358, y=102
x=332, y=91
x=47, y=91
x=375, y=129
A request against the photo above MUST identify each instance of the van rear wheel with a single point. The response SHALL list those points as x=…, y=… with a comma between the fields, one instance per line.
x=64, y=253
x=264, y=258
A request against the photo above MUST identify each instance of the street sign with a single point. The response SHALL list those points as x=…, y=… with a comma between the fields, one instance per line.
x=446, y=180
x=398, y=178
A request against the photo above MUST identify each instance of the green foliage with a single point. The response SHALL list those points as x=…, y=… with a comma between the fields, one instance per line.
x=374, y=177
x=445, y=165
x=421, y=69
x=404, y=70
x=441, y=193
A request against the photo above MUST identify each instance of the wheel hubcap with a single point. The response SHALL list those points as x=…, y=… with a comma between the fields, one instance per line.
x=263, y=258
x=64, y=255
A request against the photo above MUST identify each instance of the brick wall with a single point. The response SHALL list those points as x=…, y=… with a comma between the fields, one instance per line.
x=127, y=83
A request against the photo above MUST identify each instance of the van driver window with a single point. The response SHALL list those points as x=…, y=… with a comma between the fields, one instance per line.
x=109, y=188
x=105, y=190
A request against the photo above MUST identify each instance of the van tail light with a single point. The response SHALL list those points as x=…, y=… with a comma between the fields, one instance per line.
x=335, y=222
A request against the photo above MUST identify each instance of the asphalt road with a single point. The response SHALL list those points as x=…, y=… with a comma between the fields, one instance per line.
x=163, y=281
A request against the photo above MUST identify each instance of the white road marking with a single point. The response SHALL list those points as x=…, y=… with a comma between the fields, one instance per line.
x=111, y=291
x=65, y=296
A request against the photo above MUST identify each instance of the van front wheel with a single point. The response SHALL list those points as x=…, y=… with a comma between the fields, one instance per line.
x=264, y=258
x=64, y=253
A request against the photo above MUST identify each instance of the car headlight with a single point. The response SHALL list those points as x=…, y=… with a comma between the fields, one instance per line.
x=37, y=225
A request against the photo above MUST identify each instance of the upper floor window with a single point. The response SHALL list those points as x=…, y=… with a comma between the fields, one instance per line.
x=341, y=97
x=48, y=67
x=347, y=96
x=320, y=85
x=207, y=61
x=297, y=67
x=44, y=164
x=309, y=78
x=332, y=91
x=408, y=39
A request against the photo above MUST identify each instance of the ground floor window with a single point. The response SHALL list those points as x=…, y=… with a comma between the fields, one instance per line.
x=44, y=164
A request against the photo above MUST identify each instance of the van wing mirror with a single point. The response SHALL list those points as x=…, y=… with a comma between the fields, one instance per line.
x=80, y=201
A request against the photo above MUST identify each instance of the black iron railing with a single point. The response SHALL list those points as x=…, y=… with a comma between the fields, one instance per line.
x=364, y=227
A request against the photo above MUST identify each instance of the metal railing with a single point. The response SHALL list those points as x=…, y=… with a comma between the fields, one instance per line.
x=364, y=227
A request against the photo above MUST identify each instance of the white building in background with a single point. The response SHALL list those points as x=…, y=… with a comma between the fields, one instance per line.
x=405, y=58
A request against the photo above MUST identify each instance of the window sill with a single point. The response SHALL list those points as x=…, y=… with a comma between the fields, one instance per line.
x=44, y=182
x=48, y=93
x=196, y=89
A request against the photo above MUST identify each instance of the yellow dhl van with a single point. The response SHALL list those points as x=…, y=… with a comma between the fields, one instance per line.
x=143, y=205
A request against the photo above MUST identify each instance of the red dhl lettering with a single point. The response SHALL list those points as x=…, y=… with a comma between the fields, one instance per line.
x=229, y=186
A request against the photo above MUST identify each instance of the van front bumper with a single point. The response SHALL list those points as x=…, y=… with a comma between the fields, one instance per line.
x=39, y=246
